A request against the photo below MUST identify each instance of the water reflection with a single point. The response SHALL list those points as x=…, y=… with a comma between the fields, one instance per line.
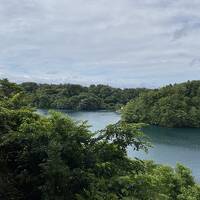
x=184, y=137
x=172, y=146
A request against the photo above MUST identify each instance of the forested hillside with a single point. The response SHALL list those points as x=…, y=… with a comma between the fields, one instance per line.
x=77, y=97
x=171, y=106
x=56, y=158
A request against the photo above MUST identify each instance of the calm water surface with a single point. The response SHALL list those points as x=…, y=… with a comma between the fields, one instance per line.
x=171, y=145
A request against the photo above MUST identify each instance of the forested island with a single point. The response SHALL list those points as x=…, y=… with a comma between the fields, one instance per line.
x=171, y=106
x=56, y=158
x=77, y=97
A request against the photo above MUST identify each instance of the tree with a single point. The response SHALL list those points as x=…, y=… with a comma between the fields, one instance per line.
x=77, y=97
x=56, y=158
x=171, y=106
x=90, y=103
x=7, y=88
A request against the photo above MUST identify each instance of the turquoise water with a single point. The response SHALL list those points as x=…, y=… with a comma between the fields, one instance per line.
x=171, y=145
x=98, y=120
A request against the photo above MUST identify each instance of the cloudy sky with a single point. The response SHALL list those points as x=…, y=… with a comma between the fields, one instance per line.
x=124, y=43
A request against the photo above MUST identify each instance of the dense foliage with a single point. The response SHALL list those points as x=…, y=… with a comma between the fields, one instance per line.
x=171, y=106
x=77, y=97
x=56, y=158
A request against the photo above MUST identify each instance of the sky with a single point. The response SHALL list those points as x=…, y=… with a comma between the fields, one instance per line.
x=123, y=43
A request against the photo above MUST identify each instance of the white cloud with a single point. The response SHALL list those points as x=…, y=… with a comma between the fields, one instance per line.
x=123, y=43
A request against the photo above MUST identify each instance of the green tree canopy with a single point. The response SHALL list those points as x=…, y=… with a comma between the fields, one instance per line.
x=56, y=158
x=171, y=106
